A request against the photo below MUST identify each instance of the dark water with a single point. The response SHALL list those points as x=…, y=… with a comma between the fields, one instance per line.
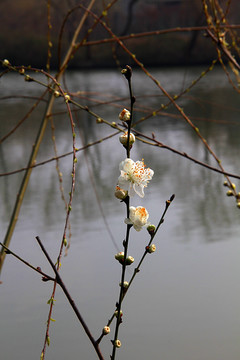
x=184, y=304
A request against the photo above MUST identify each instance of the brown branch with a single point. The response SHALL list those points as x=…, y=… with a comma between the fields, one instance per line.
x=153, y=33
x=70, y=300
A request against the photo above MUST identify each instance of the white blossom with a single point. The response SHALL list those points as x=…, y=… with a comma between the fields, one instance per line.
x=134, y=176
x=138, y=217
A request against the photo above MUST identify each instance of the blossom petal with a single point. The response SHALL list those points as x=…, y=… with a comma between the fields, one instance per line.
x=131, y=191
x=123, y=183
x=139, y=189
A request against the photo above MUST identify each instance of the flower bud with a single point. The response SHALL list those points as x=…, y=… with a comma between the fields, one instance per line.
x=225, y=183
x=117, y=343
x=106, y=330
x=151, y=229
x=233, y=186
x=67, y=98
x=56, y=94
x=229, y=193
x=125, y=284
x=151, y=248
x=124, y=115
x=116, y=313
x=28, y=78
x=129, y=260
x=238, y=204
x=119, y=256
x=6, y=62
x=120, y=193
x=123, y=138
x=127, y=72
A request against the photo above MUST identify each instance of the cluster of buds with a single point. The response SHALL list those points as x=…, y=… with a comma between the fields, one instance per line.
x=134, y=178
x=232, y=191
x=151, y=248
x=116, y=313
x=231, y=187
x=120, y=257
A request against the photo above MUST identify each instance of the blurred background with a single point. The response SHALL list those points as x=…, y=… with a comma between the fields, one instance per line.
x=184, y=304
x=24, y=31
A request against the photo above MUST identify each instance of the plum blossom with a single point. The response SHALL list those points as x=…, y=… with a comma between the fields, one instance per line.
x=138, y=217
x=134, y=176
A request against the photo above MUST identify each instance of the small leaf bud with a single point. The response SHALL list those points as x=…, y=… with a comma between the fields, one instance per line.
x=106, y=330
x=99, y=120
x=48, y=340
x=229, y=193
x=225, y=183
x=238, y=204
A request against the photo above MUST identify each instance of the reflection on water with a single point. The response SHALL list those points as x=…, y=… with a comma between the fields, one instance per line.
x=184, y=303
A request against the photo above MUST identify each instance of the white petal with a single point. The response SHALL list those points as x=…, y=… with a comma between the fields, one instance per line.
x=139, y=189
x=137, y=228
x=131, y=191
x=123, y=183
x=127, y=164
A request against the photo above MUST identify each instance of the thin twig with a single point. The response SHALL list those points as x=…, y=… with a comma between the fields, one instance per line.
x=71, y=301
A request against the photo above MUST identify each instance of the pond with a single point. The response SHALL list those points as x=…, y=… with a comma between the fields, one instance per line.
x=184, y=303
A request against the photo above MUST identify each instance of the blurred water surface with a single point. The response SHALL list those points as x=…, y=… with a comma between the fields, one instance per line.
x=184, y=303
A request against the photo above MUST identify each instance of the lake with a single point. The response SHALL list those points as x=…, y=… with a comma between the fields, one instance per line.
x=184, y=303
